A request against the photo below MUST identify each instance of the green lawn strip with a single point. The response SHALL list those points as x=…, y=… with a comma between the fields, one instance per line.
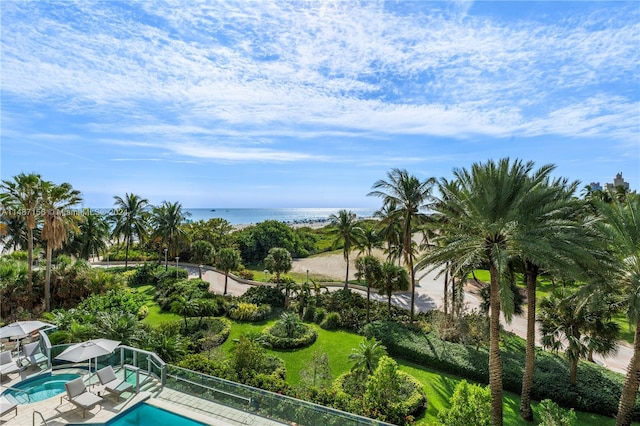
x=155, y=316
x=439, y=387
x=337, y=344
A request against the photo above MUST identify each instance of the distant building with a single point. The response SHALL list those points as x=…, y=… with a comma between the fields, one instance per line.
x=618, y=181
x=595, y=186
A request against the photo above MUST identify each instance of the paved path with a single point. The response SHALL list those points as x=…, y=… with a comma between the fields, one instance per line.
x=429, y=296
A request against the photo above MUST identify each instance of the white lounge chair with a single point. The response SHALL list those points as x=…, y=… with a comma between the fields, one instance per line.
x=79, y=396
x=7, y=406
x=8, y=365
x=33, y=354
x=111, y=383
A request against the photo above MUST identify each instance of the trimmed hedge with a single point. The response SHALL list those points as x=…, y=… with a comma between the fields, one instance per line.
x=309, y=337
x=597, y=390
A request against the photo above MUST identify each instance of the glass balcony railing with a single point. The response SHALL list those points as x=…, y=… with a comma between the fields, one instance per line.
x=273, y=406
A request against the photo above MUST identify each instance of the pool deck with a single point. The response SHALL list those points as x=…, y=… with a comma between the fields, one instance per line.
x=58, y=411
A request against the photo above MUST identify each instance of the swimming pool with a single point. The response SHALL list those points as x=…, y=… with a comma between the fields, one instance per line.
x=39, y=388
x=149, y=415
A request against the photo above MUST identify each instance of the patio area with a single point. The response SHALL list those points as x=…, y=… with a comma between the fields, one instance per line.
x=58, y=410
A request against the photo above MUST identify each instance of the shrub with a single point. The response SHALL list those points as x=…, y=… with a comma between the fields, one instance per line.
x=249, y=312
x=388, y=394
x=142, y=275
x=309, y=313
x=264, y=294
x=304, y=338
x=319, y=315
x=552, y=415
x=143, y=312
x=203, y=364
x=113, y=300
x=246, y=274
x=331, y=321
x=597, y=390
x=470, y=405
x=215, y=332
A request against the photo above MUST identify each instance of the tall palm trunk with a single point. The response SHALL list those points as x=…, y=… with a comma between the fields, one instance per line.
x=368, y=300
x=346, y=278
x=126, y=254
x=573, y=371
x=226, y=278
x=446, y=290
x=30, y=266
x=47, y=283
x=630, y=388
x=495, y=360
x=530, y=353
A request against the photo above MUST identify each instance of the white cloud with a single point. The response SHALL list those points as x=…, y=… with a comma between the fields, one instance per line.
x=272, y=69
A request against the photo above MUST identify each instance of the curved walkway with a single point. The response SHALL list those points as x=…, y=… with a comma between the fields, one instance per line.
x=428, y=296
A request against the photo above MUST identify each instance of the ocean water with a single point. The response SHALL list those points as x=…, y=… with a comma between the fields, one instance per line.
x=290, y=215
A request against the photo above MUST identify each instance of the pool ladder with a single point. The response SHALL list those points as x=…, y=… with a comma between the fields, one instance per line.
x=41, y=416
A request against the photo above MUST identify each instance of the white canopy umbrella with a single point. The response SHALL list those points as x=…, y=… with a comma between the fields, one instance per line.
x=87, y=350
x=19, y=330
x=22, y=328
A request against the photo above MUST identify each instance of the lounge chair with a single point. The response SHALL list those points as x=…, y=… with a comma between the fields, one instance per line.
x=111, y=383
x=33, y=354
x=79, y=396
x=7, y=406
x=7, y=364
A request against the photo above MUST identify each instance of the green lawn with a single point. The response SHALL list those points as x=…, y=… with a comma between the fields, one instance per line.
x=439, y=387
x=155, y=317
x=338, y=345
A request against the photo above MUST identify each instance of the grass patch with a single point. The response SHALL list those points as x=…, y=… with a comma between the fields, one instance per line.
x=439, y=388
x=155, y=316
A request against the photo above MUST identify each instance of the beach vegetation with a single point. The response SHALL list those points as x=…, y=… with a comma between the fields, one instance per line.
x=165, y=227
x=406, y=198
x=130, y=220
x=344, y=229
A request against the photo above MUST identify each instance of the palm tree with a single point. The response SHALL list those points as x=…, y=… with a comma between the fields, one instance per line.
x=21, y=197
x=554, y=239
x=58, y=223
x=390, y=231
x=345, y=229
x=483, y=210
x=410, y=197
x=166, y=220
x=92, y=235
x=367, y=239
x=621, y=226
x=227, y=260
x=393, y=277
x=370, y=269
x=130, y=218
x=366, y=356
x=566, y=318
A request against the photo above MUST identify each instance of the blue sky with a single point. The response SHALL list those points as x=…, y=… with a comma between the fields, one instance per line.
x=308, y=103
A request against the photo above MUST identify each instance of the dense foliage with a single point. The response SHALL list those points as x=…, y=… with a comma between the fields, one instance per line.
x=597, y=389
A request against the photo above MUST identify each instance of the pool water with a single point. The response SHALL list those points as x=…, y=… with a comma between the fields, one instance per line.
x=149, y=415
x=39, y=388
